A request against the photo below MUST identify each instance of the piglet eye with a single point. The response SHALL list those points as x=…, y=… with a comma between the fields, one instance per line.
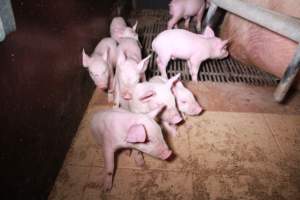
x=184, y=102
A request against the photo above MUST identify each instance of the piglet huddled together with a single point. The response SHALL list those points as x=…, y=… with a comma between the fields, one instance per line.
x=143, y=109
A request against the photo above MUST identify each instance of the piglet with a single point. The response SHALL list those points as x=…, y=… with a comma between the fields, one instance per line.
x=182, y=44
x=186, y=9
x=149, y=95
x=117, y=128
x=119, y=29
x=101, y=63
x=130, y=69
x=185, y=100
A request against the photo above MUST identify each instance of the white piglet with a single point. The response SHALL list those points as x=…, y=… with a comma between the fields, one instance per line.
x=101, y=63
x=149, y=95
x=117, y=128
x=119, y=29
x=186, y=102
x=186, y=9
x=182, y=44
x=130, y=69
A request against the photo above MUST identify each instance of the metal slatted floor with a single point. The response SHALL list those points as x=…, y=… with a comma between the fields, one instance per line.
x=227, y=70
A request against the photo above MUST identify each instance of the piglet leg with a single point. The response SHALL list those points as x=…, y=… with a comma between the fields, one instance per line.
x=110, y=97
x=111, y=86
x=187, y=23
x=138, y=158
x=193, y=66
x=109, y=168
x=116, y=94
x=162, y=66
x=173, y=21
x=170, y=128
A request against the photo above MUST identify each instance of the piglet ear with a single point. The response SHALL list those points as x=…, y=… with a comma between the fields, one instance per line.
x=208, y=32
x=142, y=66
x=177, y=85
x=147, y=95
x=156, y=111
x=85, y=59
x=135, y=26
x=171, y=82
x=136, y=133
x=121, y=58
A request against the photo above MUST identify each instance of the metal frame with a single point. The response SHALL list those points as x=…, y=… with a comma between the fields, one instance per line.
x=219, y=71
x=7, y=20
x=274, y=21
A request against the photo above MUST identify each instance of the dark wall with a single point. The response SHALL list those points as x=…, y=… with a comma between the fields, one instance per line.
x=153, y=4
x=44, y=89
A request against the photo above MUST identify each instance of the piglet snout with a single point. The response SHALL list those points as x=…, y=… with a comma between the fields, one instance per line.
x=102, y=86
x=166, y=153
x=197, y=110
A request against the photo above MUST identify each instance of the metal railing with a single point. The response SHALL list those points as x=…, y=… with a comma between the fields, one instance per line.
x=284, y=25
x=7, y=20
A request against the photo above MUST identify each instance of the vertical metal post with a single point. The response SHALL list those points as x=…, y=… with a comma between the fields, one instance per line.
x=288, y=77
x=210, y=13
x=214, y=17
x=285, y=25
x=2, y=31
x=7, y=20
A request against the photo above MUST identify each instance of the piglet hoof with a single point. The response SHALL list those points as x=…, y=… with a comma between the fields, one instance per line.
x=107, y=182
x=127, y=152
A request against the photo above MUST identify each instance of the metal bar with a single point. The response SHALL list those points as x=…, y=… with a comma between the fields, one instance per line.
x=288, y=77
x=2, y=31
x=210, y=13
x=7, y=20
x=282, y=24
x=285, y=25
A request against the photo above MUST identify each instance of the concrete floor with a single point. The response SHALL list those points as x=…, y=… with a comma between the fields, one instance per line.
x=244, y=146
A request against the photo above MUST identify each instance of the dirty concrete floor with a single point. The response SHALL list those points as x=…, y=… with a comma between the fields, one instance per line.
x=234, y=150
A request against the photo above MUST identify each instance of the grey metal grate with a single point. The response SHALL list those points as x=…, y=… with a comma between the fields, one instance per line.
x=226, y=70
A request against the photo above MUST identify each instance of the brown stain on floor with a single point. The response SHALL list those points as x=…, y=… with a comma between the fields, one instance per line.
x=235, y=150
